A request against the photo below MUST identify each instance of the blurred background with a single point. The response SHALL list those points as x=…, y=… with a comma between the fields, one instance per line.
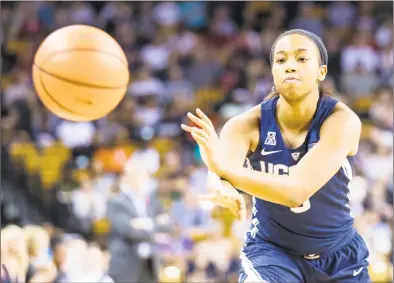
x=60, y=180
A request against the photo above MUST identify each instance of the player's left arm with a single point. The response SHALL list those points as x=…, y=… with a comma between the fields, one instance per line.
x=339, y=137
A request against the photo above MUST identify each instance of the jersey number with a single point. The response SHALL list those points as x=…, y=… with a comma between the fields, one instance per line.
x=347, y=169
x=281, y=169
x=304, y=207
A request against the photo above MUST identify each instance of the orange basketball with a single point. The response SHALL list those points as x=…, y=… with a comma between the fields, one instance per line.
x=80, y=73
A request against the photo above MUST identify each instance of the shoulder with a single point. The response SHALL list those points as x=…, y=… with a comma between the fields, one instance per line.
x=343, y=116
x=343, y=126
x=246, y=121
x=244, y=127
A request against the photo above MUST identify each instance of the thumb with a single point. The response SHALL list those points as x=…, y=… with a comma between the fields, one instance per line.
x=235, y=210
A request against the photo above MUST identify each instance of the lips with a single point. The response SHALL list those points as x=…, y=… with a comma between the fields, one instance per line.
x=291, y=79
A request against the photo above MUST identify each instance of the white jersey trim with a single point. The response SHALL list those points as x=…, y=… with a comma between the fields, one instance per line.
x=251, y=272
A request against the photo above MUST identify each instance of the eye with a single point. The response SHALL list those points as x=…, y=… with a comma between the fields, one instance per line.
x=302, y=59
x=280, y=60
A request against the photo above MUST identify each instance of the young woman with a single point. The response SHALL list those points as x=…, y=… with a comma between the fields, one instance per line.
x=300, y=143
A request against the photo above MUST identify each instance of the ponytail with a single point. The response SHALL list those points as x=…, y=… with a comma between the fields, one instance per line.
x=272, y=94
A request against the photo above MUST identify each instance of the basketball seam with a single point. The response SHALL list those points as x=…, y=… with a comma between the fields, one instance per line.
x=55, y=101
x=77, y=82
x=86, y=49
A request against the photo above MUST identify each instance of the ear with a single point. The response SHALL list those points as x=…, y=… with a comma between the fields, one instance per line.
x=322, y=73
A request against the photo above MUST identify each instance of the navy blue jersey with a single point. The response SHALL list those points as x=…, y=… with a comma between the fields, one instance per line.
x=322, y=222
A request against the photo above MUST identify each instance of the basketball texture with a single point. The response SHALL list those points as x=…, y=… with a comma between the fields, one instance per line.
x=80, y=73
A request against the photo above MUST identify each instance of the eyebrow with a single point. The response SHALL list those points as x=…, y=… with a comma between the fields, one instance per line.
x=297, y=50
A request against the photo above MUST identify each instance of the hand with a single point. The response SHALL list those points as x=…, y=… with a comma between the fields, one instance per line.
x=225, y=195
x=208, y=141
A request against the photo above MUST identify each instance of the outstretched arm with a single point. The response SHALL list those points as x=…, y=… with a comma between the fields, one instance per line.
x=221, y=192
x=338, y=137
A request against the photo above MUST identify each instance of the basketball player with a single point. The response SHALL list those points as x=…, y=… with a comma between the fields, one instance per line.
x=303, y=143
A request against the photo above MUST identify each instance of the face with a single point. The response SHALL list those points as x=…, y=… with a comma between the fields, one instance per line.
x=296, y=66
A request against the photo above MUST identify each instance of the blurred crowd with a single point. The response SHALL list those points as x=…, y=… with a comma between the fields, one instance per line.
x=61, y=180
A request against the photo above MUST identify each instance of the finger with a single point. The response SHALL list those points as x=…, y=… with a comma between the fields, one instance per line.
x=187, y=128
x=204, y=117
x=201, y=141
x=218, y=200
x=199, y=122
x=198, y=131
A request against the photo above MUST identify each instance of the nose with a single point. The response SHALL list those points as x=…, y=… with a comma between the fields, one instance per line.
x=290, y=67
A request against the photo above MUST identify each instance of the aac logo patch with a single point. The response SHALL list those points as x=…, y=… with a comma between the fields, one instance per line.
x=271, y=138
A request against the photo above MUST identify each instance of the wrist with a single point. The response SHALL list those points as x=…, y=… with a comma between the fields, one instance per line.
x=223, y=173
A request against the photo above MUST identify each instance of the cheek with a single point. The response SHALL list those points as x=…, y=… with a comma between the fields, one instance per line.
x=276, y=75
x=309, y=74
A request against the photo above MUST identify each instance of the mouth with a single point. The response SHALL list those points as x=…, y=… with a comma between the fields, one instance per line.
x=291, y=80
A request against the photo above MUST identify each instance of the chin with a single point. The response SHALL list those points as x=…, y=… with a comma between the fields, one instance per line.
x=292, y=93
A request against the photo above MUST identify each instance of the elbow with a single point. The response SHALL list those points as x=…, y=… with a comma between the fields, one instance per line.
x=298, y=196
x=295, y=202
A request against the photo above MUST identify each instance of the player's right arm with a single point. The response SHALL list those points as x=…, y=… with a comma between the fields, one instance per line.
x=339, y=137
x=246, y=127
x=222, y=193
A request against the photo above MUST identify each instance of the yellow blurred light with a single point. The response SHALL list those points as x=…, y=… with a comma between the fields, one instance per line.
x=379, y=267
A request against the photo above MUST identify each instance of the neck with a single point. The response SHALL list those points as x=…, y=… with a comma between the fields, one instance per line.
x=297, y=115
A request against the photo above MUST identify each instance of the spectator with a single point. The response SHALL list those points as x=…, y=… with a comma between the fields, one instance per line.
x=42, y=269
x=62, y=18
x=88, y=205
x=75, y=260
x=359, y=83
x=146, y=84
x=82, y=13
x=187, y=213
x=96, y=265
x=132, y=223
x=149, y=112
x=308, y=19
x=341, y=14
x=183, y=40
x=204, y=72
x=194, y=13
x=381, y=109
x=156, y=54
x=14, y=256
x=147, y=156
x=166, y=13
x=181, y=55
x=222, y=23
x=82, y=136
x=359, y=52
x=20, y=90
x=177, y=85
